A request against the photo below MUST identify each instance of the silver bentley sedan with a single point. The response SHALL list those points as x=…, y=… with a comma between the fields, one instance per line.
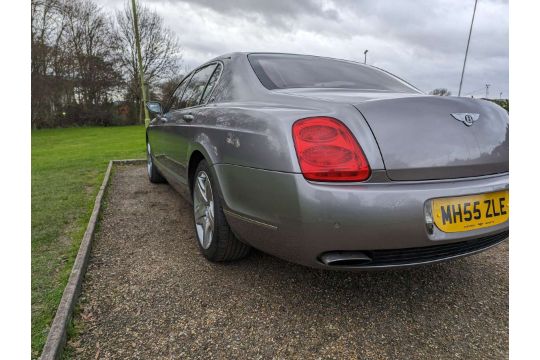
x=330, y=163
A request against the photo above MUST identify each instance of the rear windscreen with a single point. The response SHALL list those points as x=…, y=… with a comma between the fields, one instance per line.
x=281, y=71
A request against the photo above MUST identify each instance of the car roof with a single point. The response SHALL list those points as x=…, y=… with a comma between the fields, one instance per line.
x=246, y=53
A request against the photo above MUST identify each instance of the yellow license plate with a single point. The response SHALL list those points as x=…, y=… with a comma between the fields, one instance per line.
x=464, y=213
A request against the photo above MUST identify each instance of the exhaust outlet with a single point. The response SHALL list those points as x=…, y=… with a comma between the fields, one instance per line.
x=345, y=258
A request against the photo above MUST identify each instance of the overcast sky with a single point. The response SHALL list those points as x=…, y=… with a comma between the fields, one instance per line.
x=422, y=41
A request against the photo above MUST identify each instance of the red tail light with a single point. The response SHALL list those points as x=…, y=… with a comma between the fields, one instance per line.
x=327, y=151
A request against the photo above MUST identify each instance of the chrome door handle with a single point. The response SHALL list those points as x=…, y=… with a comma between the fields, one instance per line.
x=188, y=117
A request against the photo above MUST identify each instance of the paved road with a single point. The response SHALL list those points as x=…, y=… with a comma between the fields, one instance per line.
x=149, y=294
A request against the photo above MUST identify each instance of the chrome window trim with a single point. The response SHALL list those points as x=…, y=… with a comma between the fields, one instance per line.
x=193, y=72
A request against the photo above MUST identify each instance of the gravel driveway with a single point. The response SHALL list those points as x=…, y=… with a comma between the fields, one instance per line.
x=149, y=294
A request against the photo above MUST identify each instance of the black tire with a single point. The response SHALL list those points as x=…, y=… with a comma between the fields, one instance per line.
x=153, y=173
x=224, y=246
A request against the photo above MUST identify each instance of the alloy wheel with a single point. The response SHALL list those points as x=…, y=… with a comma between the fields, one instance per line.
x=148, y=159
x=203, y=208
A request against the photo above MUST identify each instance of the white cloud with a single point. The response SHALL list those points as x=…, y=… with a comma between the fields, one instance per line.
x=422, y=41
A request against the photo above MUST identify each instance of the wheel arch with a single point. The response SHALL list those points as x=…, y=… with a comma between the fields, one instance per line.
x=198, y=153
x=194, y=160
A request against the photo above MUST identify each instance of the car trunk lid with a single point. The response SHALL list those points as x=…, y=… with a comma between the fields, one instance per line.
x=420, y=138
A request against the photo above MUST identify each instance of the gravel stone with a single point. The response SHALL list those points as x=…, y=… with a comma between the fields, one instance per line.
x=148, y=294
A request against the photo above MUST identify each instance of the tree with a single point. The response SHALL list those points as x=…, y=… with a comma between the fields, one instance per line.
x=72, y=64
x=48, y=60
x=160, y=52
x=83, y=61
x=88, y=33
x=440, y=92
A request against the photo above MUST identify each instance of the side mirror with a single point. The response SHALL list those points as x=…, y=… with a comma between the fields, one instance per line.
x=154, y=107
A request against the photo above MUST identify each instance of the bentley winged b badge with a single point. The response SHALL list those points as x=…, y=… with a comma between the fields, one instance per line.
x=466, y=118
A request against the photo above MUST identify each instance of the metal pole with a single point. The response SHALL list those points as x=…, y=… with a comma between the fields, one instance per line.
x=139, y=60
x=467, y=49
x=365, y=56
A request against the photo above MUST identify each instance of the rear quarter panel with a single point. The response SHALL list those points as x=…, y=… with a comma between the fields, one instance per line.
x=259, y=135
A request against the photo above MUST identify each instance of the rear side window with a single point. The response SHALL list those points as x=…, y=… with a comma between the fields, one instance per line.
x=281, y=71
x=211, y=83
x=196, y=86
x=174, y=103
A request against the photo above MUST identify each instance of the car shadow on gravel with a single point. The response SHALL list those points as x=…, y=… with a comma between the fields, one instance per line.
x=148, y=293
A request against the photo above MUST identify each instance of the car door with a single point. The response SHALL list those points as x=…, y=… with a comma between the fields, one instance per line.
x=180, y=121
x=163, y=134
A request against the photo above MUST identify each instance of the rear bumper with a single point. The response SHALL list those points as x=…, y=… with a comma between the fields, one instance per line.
x=372, y=259
x=286, y=216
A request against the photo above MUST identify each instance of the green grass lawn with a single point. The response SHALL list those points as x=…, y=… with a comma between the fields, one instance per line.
x=67, y=169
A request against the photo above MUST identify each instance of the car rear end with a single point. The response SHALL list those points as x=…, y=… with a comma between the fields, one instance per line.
x=434, y=187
